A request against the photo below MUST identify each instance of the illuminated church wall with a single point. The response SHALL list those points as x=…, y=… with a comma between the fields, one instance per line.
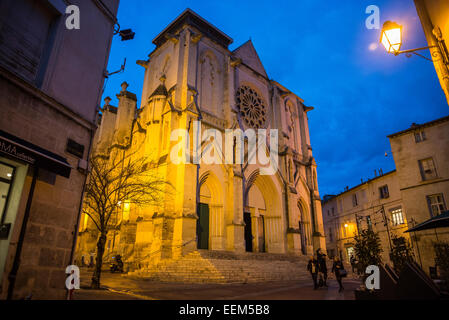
x=191, y=76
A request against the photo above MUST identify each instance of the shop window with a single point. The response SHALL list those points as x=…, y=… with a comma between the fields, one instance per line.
x=6, y=179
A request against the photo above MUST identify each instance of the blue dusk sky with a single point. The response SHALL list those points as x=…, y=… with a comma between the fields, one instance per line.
x=322, y=51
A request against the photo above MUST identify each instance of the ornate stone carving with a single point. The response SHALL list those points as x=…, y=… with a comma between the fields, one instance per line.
x=251, y=107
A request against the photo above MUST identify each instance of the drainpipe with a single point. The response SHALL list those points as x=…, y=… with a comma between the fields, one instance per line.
x=16, y=263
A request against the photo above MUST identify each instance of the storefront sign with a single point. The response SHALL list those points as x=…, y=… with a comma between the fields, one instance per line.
x=11, y=146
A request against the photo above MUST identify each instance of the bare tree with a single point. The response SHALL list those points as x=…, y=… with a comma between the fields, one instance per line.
x=113, y=180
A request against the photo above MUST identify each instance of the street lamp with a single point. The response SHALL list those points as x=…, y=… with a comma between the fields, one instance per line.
x=391, y=39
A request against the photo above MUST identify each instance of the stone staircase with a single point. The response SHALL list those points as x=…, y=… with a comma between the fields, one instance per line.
x=204, y=266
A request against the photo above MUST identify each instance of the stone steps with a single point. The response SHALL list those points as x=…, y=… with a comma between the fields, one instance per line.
x=203, y=266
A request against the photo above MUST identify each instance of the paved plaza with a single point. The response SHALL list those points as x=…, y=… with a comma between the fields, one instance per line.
x=119, y=287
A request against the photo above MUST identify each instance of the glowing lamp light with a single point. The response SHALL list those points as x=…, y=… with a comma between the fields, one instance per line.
x=391, y=36
x=126, y=207
x=346, y=225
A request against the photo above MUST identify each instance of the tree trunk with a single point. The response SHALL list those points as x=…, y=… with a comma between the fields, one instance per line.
x=99, y=261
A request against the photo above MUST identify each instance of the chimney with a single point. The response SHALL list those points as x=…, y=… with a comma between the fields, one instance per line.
x=381, y=173
x=375, y=173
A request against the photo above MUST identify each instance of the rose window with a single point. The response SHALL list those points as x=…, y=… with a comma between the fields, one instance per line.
x=251, y=107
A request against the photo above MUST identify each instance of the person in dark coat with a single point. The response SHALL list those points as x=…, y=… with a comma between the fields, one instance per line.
x=321, y=257
x=313, y=268
x=353, y=263
x=336, y=267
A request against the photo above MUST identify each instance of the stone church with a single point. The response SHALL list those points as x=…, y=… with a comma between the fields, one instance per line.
x=193, y=76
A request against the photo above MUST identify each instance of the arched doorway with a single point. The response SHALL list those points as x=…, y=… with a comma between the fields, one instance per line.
x=210, y=224
x=264, y=225
x=255, y=215
x=305, y=228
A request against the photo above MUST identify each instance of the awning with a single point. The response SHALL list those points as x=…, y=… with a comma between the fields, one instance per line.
x=17, y=148
x=440, y=221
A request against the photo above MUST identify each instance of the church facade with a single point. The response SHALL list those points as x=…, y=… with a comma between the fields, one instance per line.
x=194, y=83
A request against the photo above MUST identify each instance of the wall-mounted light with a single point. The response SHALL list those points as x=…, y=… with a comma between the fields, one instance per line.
x=126, y=34
x=391, y=39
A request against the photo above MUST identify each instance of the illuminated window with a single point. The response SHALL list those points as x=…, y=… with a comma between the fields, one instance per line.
x=427, y=168
x=86, y=219
x=126, y=209
x=436, y=204
x=6, y=179
x=350, y=252
x=396, y=216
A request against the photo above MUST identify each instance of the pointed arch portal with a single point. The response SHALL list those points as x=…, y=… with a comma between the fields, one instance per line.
x=263, y=215
x=210, y=224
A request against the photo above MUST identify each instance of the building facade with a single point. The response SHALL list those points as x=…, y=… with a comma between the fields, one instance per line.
x=434, y=17
x=415, y=192
x=422, y=161
x=193, y=82
x=50, y=86
x=375, y=204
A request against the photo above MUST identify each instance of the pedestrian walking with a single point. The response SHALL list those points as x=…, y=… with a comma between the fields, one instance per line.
x=312, y=267
x=321, y=257
x=339, y=270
